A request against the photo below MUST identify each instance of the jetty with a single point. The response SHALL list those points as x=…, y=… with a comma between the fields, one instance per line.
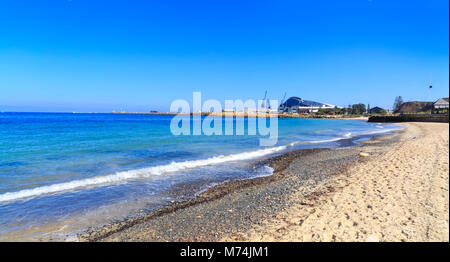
x=440, y=118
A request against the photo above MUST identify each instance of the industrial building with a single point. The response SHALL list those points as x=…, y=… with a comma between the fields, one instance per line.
x=296, y=105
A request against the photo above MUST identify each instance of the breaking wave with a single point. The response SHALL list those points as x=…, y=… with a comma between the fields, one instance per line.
x=159, y=170
x=137, y=173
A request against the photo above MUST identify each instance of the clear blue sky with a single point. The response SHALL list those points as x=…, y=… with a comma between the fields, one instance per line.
x=84, y=55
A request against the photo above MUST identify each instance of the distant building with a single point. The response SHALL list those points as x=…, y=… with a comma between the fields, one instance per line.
x=442, y=103
x=377, y=110
x=297, y=105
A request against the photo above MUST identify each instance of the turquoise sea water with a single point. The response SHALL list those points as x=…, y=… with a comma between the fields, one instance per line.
x=61, y=173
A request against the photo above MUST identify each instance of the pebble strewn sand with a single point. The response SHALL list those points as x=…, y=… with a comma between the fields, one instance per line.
x=393, y=188
x=399, y=195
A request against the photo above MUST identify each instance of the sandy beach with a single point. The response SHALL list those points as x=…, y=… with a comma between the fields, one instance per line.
x=392, y=188
x=400, y=195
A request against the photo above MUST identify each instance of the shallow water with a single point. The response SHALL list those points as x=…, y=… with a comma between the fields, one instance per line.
x=61, y=173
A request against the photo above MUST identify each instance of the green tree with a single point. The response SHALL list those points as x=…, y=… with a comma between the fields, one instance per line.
x=397, y=103
x=358, y=109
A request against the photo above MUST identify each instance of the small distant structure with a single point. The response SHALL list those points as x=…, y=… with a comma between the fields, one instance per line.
x=296, y=105
x=153, y=111
x=377, y=110
x=442, y=103
x=441, y=106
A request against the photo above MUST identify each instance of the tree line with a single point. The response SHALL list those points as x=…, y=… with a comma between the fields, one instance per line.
x=358, y=109
x=355, y=109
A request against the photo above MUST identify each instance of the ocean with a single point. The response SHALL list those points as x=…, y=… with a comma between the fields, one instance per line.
x=61, y=173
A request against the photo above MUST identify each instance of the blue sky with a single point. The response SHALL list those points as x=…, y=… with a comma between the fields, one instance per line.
x=86, y=56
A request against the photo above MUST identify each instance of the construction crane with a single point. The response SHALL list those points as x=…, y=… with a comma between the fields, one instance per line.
x=282, y=102
x=263, y=104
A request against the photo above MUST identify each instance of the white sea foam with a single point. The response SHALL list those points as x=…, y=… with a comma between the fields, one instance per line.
x=138, y=173
x=349, y=135
x=325, y=140
x=263, y=172
x=384, y=130
x=346, y=135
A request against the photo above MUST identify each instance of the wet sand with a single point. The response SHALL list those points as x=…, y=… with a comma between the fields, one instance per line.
x=396, y=190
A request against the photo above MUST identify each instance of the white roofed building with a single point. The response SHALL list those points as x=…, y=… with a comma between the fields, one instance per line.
x=442, y=103
x=297, y=105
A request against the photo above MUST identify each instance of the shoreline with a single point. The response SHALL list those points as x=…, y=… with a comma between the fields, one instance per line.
x=246, y=114
x=391, y=188
x=279, y=163
x=400, y=195
x=217, y=193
